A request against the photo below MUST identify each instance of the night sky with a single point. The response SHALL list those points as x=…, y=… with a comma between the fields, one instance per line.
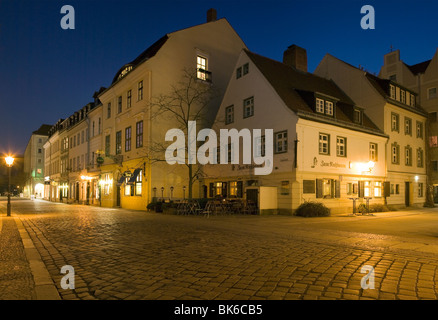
x=47, y=73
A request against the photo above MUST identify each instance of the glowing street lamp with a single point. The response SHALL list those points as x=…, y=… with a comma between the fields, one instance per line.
x=9, y=162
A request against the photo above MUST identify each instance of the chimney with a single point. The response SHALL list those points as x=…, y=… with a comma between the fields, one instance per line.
x=211, y=15
x=296, y=57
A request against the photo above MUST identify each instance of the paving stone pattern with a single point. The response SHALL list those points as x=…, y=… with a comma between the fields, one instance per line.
x=122, y=254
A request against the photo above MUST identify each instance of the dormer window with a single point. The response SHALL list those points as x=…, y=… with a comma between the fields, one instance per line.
x=357, y=116
x=324, y=107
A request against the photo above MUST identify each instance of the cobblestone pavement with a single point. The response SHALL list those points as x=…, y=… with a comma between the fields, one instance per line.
x=124, y=254
x=16, y=282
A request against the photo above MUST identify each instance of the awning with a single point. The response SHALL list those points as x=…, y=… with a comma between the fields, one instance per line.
x=134, y=176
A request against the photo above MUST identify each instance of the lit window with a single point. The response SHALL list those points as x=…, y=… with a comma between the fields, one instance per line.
x=201, y=66
x=138, y=183
x=233, y=188
x=377, y=189
x=127, y=187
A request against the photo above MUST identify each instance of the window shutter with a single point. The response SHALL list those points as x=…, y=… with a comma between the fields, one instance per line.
x=319, y=188
x=386, y=189
x=337, y=189
x=239, y=189
x=211, y=190
x=224, y=189
x=361, y=189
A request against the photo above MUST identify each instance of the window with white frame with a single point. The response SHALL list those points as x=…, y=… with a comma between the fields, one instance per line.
x=394, y=122
x=419, y=129
x=392, y=91
x=408, y=126
x=329, y=108
x=324, y=143
x=319, y=105
x=140, y=90
x=408, y=156
x=395, y=153
x=377, y=189
x=341, y=146
x=420, y=189
x=403, y=96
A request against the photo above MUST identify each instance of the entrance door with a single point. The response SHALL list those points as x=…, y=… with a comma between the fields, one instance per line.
x=407, y=193
x=253, y=195
x=118, y=196
x=77, y=192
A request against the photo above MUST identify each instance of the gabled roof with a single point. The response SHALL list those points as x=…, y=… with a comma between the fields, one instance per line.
x=419, y=67
x=298, y=89
x=382, y=87
x=145, y=55
x=43, y=130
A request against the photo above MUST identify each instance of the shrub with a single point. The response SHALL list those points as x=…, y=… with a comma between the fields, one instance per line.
x=312, y=209
x=375, y=207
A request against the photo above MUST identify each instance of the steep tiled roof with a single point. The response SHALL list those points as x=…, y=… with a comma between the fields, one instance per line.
x=419, y=67
x=43, y=130
x=297, y=89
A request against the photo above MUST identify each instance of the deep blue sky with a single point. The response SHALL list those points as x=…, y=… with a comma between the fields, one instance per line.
x=47, y=73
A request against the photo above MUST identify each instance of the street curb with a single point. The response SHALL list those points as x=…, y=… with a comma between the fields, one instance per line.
x=45, y=289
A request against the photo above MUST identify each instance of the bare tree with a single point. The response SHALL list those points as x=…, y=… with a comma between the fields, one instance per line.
x=191, y=99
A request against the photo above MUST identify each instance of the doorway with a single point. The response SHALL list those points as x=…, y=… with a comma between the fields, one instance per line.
x=407, y=193
x=253, y=195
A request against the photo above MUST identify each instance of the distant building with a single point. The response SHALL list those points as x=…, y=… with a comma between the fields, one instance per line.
x=34, y=163
x=395, y=110
x=423, y=79
x=325, y=147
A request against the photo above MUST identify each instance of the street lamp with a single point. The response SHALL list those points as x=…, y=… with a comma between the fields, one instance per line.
x=162, y=193
x=9, y=162
x=184, y=192
x=171, y=192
